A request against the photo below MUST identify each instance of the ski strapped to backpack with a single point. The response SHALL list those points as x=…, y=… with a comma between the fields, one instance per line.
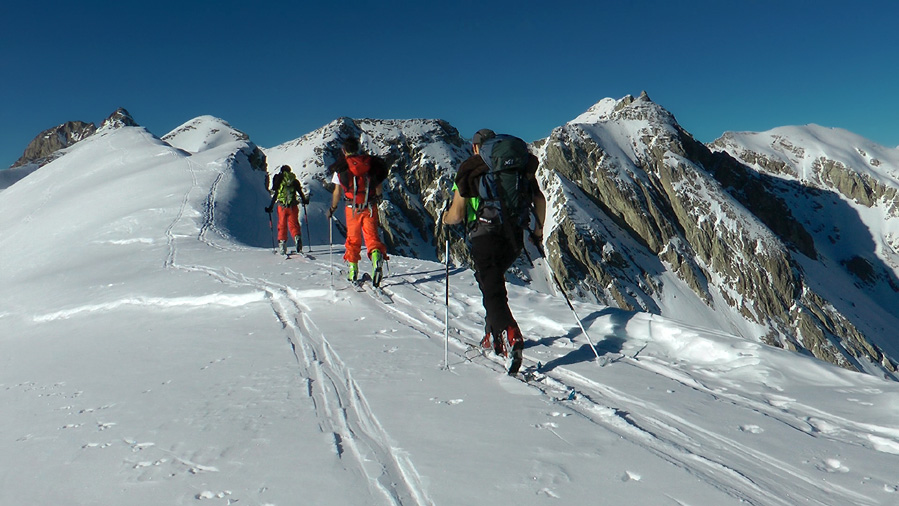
x=504, y=190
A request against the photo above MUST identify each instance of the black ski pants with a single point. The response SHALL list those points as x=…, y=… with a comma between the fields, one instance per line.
x=492, y=256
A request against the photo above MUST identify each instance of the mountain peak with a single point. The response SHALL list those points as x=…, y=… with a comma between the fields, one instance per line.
x=610, y=109
x=48, y=142
x=204, y=132
x=119, y=118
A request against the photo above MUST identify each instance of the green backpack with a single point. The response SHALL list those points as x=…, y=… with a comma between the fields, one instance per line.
x=287, y=194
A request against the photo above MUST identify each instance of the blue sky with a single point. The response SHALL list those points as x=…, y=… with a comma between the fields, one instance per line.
x=278, y=70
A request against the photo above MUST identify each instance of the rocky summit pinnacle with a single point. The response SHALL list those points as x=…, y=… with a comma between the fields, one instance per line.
x=120, y=118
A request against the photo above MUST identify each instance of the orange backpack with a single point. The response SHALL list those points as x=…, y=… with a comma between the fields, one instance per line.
x=358, y=189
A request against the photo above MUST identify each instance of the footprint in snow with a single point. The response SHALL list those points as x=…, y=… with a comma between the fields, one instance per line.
x=451, y=402
x=752, y=429
x=631, y=476
x=206, y=494
x=832, y=466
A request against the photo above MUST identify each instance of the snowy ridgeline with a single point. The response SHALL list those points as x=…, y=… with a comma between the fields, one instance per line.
x=155, y=351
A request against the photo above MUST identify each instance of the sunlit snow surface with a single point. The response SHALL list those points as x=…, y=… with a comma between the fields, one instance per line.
x=154, y=351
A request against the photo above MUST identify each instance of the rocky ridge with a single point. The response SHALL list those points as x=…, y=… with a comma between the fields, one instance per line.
x=41, y=149
x=645, y=218
x=709, y=220
x=49, y=144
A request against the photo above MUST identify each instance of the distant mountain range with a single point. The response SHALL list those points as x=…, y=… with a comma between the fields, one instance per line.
x=789, y=237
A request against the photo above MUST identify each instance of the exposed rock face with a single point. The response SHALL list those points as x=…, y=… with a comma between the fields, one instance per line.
x=120, y=118
x=44, y=148
x=641, y=217
x=48, y=142
x=636, y=199
x=845, y=190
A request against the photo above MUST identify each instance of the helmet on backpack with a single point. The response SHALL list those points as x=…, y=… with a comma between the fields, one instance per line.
x=482, y=135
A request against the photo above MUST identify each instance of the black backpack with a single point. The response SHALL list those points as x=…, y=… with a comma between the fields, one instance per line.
x=504, y=189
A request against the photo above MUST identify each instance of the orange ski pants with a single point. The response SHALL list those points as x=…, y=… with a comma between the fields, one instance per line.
x=362, y=224
x=288, y=217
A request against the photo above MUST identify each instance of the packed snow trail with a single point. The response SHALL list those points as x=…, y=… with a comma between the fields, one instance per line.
x=339, y=402
x=730, y=466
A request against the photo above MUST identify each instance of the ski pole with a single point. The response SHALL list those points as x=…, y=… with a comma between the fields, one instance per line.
x=441, y=228
x=446, y=315
x=306, y=216
x=330, y=248
x=272, y=228
x=562, y=290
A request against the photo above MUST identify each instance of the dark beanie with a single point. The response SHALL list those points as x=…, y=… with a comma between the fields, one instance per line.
x=351, y=145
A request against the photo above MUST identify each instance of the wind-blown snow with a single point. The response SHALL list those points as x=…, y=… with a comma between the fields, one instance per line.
x=153, y=350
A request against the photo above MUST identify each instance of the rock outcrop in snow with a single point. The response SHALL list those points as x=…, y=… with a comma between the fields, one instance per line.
x=41, y=149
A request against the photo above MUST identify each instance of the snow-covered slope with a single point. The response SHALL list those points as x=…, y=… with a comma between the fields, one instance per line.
x=150, y=353
x=843, y=189
x=801, y=149
x=8, y=177
x=204, y=132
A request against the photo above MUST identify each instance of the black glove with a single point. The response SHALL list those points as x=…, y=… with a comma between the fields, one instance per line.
x=305, y=201
x=331, y=212
x=268, y=209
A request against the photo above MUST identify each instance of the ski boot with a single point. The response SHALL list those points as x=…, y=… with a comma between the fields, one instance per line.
x=496, y=343
x=516, y=343
x=299, y=242
x=282, y=247
x=352, y=274
x=376, y=272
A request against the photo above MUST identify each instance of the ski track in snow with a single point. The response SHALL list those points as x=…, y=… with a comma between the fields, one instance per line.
x=361, y=442
x=339, y=402
x=671, y=437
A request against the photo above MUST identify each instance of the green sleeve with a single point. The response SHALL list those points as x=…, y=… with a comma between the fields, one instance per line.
x=471, y=206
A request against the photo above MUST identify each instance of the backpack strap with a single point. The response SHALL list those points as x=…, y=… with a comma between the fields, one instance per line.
x=496, y=192
x=366, y=202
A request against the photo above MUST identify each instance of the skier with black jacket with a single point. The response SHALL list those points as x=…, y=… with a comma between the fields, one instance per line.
x=501, y=170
